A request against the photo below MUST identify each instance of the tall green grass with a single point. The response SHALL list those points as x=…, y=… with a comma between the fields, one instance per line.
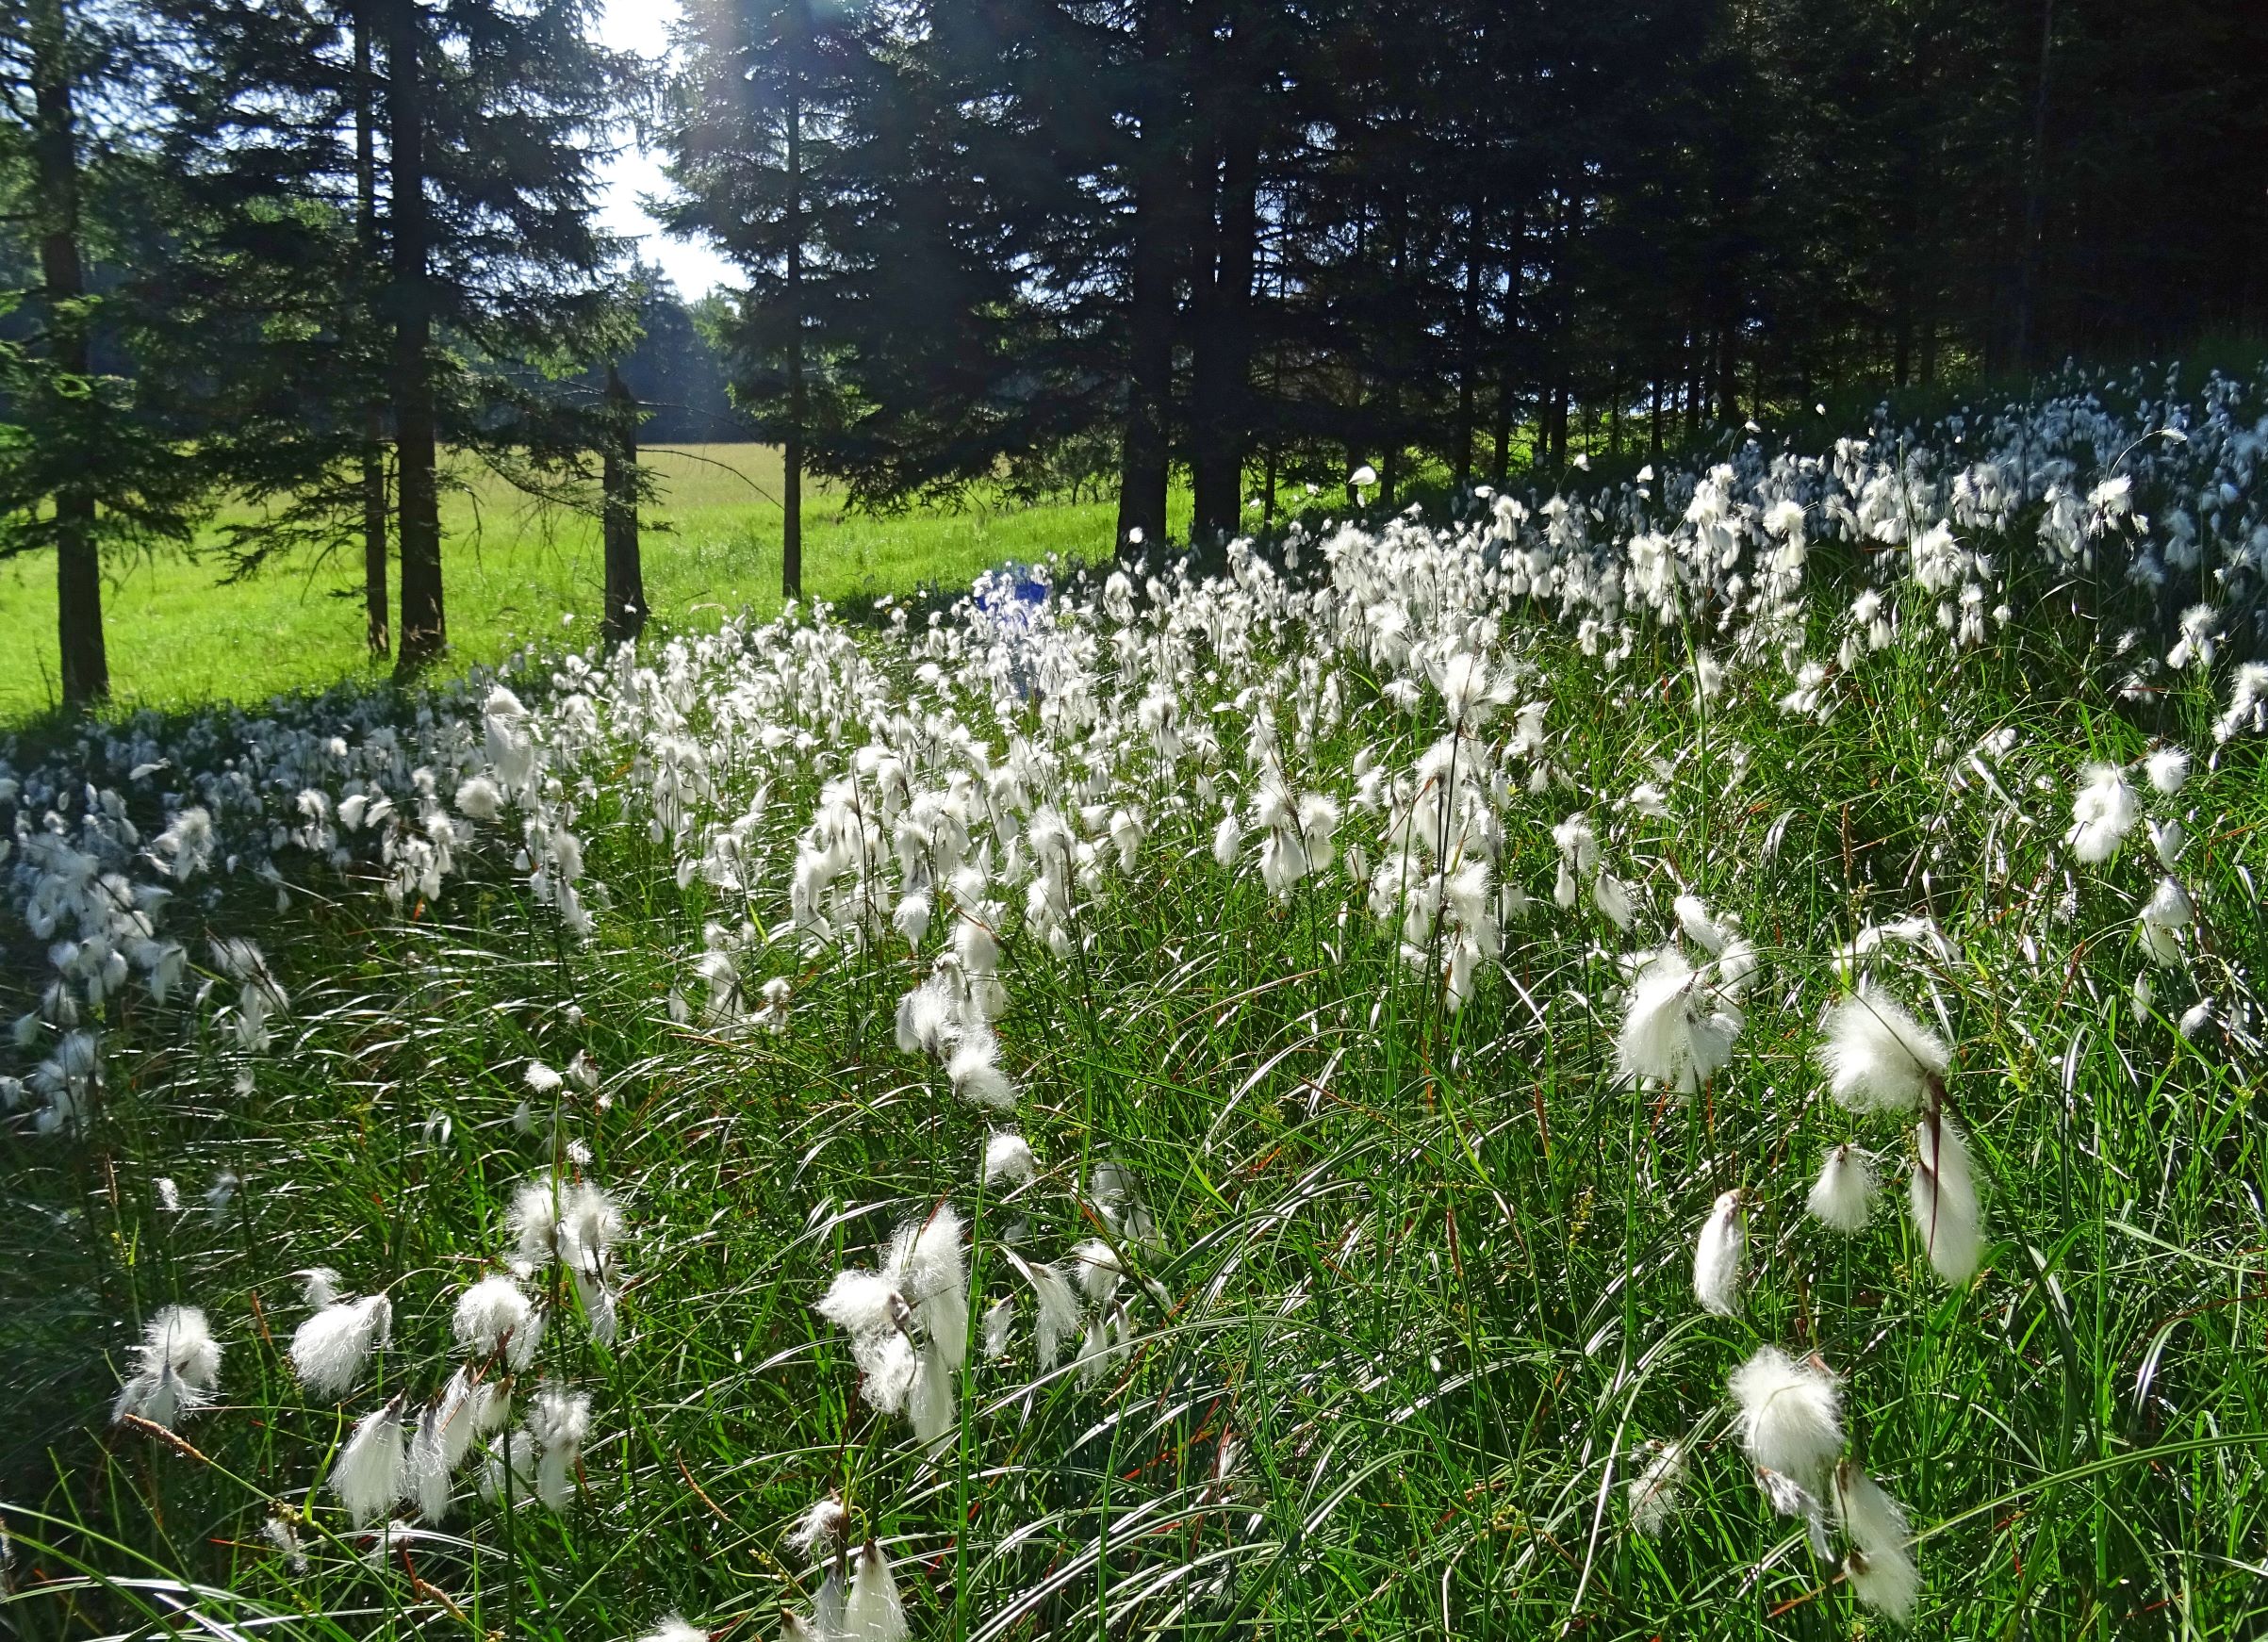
x=1430, y=1270
x=513, y=570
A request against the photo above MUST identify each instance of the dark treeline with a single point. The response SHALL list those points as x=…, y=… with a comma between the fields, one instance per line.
x=1260, y=241
x=286, y=250
x=318, y=242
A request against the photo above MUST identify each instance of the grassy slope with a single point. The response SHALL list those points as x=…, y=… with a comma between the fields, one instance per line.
x=511, y=572
x=1452, y=1257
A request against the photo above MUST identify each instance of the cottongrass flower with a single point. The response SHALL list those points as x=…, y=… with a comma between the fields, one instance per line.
x=818, y=1534
x=177, y=1367
x=675, y=1628
x=1717, y=1256
x=2167, y=839
x=933, y=1275
x=510, y=1466
x=1946, y=1214
x=867, y=1307
x=1887, y=1582
x=1881, y=1566
x=1842, y=1199
x=976, y=1073
x=1678, y=1029
x=999, y=1323
x=369, y=1475
x=2248, y=702
x=2167, y=768
x=478, y=798
x=930, y=1404
x=1790, y=1415
x=1056, y=1309
x=1229, y=833
x=928, y=1018
x=445, y=1433
x=1611, y=895
x=1008, y=1156
x=494, y=1316
x=329, y=1349
x=1704, y=931
x=1655, y=1491
x=280, y=1532
x=318, y=1285
x=2164, y=915
x=559, y=1420
x=873, y=1613
x=923, y=1280
x=1877, y=1057
x=2102, y=814
x=578, y=1225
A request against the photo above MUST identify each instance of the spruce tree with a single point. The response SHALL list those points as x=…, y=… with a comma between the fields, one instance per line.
x=759, y=131
x=83, y=466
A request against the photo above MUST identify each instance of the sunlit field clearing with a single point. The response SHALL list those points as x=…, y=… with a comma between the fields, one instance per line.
x=1676, y=1059
x=512, y=569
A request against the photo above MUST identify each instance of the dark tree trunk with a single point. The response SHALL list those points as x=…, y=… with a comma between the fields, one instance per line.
x=791, y=522
x=78, y=584
x=619, y=485
x=2035, y=192
x=1143, y=451
x=1220, y=415
x=377, y=629
x=1507, y=345
x=1501, y=463
x=1469, y=350
x=1728, y=376
x=424, y=631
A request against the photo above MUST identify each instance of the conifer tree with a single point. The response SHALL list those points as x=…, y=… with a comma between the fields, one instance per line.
x=83, y=466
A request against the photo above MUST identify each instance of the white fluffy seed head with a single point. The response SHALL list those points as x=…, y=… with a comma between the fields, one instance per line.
x=177, y=1367
x=2102, y=813
x=1008, y=1156
x=820, y=1530
x=1056, y=1311
x=559, y=1420
x=2168, y=768
x=1000, y=1325
x=1701, y=928
x=930, y=1404
x=674, y=1628
x=976, y=1075
x=1871, y=1519
x=864, y=1303
x=1948, y=1217
x=494, y=1315
x=1842, y=1199
x=1790, y=1415
x=872, y=1612
x=1654, y=1492
x=1877, y=1057
x=329, y=1349
x=1612, y=897
x=1677, y=1030
x=1717, y=1257
x=1099, y=1271
x=1886, y=1581
x=367, y=1476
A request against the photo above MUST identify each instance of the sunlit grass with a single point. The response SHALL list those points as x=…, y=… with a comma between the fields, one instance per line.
x=1429, y=1271
x=512, y=569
